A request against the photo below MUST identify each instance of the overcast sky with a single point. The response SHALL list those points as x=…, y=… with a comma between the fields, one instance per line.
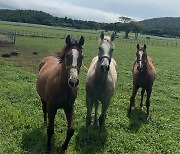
x=99, y=10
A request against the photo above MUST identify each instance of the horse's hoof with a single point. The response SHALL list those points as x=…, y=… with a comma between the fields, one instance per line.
x=45, y=123
x=148, y=118
x=48, y=148
x=95, y=122
x=63, y=148
x=60, y=149
x=86, y=140
x=128, y=113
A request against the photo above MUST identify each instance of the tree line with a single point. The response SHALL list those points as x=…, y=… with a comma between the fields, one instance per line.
x=124, y=24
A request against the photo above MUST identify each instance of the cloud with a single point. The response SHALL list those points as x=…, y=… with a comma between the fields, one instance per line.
x=99, y=10
x=63, y=9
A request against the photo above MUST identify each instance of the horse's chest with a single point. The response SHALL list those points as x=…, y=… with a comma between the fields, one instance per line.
x=142, y=81
x=101, y=91
x=61, y=96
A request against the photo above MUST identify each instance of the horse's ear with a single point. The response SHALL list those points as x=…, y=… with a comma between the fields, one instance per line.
x=145, y=46
x=81, y=41
x=68, y=40
x=102, y=35
x=112, y=37
x=138, y=46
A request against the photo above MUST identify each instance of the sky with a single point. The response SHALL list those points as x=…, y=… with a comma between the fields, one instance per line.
x=99, y=10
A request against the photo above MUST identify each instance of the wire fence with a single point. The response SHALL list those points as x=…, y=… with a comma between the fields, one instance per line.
x=7, y=37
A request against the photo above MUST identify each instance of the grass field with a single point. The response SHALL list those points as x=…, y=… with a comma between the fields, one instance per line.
x=21, y=120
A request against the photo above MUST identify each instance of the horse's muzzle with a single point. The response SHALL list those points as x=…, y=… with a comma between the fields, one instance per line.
x=140, y=68
x=105, y=68
x=73, y=82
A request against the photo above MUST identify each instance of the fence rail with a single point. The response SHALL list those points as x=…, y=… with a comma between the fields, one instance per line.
x=154, y=42
x=150, y=41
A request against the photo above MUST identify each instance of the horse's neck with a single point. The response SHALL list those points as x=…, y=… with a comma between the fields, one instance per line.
x=62, y=72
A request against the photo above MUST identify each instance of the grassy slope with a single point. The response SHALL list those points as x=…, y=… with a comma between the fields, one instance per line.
x=21, y=122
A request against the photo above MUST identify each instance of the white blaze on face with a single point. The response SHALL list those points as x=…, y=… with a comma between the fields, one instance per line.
x=74, y=71
x=140, y=58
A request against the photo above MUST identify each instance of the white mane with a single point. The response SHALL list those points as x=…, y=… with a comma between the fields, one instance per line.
x=108, y=39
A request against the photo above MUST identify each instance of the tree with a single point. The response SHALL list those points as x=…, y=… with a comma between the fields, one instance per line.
x=136, y=27
x=128, y=25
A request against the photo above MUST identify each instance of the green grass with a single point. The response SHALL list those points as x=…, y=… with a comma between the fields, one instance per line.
x=21, y=120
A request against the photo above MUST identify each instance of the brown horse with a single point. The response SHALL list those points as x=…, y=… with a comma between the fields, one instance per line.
x=57, y=85
x=143, y=76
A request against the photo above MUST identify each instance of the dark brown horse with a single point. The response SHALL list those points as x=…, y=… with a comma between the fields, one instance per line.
x=57, y=85
x=143, y=77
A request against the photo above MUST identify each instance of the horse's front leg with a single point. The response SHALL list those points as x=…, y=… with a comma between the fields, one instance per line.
x=96, y=109
x=102, y=117
x=142, y=95
x=132, y=100
x=149, y=90
x=70, y=129
x=50, y=130
x=89, y=105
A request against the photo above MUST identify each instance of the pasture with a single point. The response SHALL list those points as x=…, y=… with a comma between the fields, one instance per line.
x=21, y=116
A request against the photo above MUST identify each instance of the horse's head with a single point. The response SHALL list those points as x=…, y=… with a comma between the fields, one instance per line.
x=73, y=59
x=106, y=48
x=141, y=57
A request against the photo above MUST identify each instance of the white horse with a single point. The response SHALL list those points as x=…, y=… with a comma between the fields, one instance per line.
x=101, y=81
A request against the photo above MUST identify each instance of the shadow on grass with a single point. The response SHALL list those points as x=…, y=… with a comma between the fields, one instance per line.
x=35, y=140
x=95, y=144
x=137, y=118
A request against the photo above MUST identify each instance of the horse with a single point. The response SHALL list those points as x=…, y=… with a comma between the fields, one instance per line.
x=143, y=77
x=101, y=81
x=57, y=83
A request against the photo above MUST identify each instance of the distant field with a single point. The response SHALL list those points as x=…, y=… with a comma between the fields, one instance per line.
x=21, y=120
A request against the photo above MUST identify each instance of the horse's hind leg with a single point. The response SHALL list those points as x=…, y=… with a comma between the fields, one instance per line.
x=142, y=95
x=70, y=131
x=89, y=105
x=149, y=90
x=103, y=114
x=132, y=100
x=50, y=129
x=96, y=108
x=44, y=108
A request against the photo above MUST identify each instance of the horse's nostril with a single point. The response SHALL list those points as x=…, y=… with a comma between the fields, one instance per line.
x=105, y=68
x=73, y=82
x=108, y=68
x=77, y=82
x=102, y=68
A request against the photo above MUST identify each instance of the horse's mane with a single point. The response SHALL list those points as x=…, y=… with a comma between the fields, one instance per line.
x=61, y=55
x=108, y=39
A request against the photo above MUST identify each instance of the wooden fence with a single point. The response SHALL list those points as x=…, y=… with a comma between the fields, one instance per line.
x=154, y=42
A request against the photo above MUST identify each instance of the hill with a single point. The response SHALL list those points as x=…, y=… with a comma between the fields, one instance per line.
x=165, y=26
x=40, y=17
